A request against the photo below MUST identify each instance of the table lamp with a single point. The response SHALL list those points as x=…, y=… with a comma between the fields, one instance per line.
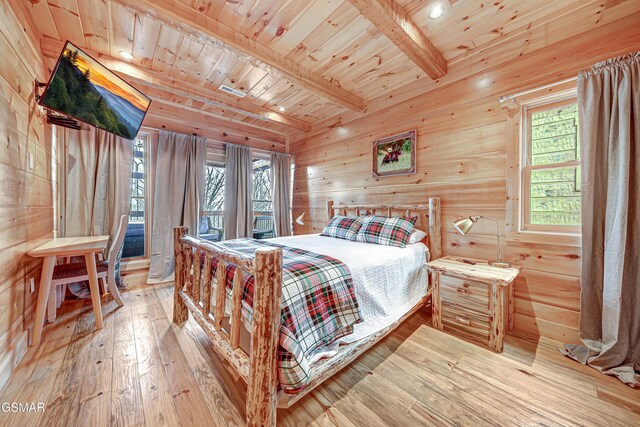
x=465, y=224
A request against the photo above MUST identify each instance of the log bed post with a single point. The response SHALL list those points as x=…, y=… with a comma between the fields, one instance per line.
x=262, y=387
x=435, y=232
x=180, y=310
x=435, y=249
x=329, y=210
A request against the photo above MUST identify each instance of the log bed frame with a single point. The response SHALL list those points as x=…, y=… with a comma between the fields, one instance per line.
x=259, y=368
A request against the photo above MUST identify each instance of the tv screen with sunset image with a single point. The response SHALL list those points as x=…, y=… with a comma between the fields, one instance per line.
x=82, y=88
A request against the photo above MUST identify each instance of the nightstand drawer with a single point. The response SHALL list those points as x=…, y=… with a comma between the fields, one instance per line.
x=466, y=322
x=477, y=307
x=473, y=296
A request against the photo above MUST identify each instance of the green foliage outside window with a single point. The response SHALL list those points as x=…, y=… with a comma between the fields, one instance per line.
x=554, y=189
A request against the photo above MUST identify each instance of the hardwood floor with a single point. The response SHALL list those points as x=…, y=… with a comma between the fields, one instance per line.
x=143, y=370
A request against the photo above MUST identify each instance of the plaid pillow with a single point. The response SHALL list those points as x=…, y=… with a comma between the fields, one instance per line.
x=386, y=231
x=343, y=227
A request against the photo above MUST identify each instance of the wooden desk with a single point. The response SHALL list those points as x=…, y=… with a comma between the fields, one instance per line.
x=67, y=246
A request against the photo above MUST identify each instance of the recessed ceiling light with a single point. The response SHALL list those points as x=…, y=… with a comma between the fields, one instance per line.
x=126, y=55
x=436, y=11
x=281, y=109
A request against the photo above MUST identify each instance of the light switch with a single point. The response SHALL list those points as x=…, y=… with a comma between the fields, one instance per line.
x=32, y=284
x=30, y=160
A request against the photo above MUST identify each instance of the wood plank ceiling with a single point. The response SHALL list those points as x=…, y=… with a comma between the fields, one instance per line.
x=301, y=62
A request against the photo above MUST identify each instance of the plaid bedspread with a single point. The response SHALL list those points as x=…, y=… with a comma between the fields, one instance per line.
x=318, y=306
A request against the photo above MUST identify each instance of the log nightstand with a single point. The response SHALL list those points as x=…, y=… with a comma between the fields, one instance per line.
x=474, y=301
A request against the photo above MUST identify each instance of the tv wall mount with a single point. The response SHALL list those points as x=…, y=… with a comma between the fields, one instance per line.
x=53, y=117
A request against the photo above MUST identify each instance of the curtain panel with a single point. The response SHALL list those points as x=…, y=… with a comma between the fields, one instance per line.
x=98, y=182
x=238, y=193
x=281, y=193
x=178, y=197
x=609, y=106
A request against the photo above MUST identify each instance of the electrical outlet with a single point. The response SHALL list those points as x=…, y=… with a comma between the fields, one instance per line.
x=32, y=284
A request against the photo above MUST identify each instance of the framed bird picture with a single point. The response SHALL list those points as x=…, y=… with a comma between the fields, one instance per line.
x=395, y=155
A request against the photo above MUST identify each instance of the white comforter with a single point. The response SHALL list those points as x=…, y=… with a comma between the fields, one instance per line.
x=388, y=281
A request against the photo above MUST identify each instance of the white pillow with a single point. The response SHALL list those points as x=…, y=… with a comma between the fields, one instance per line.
x=417, y=236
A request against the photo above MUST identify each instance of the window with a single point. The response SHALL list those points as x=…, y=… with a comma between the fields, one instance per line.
x=262, y=187
x=135, y=238
x=550, y=180
x=262, y=204
x=212, y=223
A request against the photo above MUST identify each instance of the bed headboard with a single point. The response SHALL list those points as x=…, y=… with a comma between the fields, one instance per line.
x=428, y=217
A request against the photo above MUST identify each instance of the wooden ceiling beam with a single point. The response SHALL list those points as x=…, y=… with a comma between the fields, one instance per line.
x=395, y=23
x=167, y=10
x=178, y=120
x=143, y=76
x=167, y=110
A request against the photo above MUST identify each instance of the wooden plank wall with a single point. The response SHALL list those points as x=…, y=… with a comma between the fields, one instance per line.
x=26, y=193
x=462, y=158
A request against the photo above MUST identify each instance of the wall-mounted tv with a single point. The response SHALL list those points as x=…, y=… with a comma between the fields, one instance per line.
x=82, y=88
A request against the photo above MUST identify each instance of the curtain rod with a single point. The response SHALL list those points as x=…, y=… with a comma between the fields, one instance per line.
x=215, y=141
x=259, y=150
x=502, y=99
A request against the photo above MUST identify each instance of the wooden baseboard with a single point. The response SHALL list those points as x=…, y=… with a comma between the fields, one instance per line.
x=536, y=328
x=134, y=265
x=541, y=340
x=13, y=357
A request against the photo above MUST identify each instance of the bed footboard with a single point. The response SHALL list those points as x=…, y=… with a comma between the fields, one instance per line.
x=193, y=295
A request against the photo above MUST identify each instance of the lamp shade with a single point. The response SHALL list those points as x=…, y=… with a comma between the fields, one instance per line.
x=463, y=225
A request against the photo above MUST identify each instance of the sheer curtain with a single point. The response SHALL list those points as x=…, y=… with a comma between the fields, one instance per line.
x=609, y=104
x=238, y=193
x=281, y=193
x=179, y=194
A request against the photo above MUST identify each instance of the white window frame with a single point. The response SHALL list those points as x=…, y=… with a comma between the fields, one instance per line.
x=519, y=169
x=213, y=160
x=261, y=155
x=147, y=199
x=526, y=168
